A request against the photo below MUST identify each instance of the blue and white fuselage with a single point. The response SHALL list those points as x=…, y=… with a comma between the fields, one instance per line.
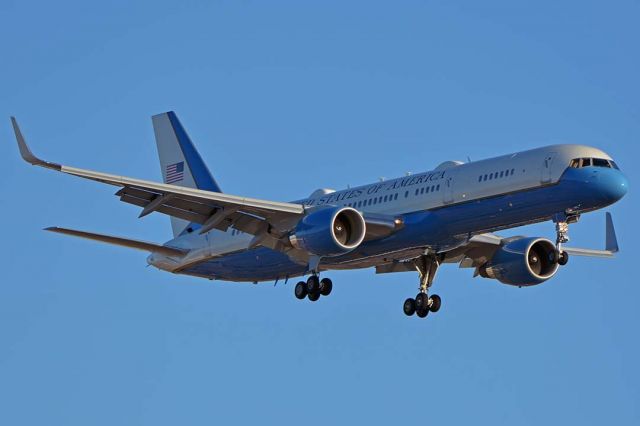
x=440, y=210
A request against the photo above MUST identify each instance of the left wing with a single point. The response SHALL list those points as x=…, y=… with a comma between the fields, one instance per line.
x=480, y=248
x=212, y=210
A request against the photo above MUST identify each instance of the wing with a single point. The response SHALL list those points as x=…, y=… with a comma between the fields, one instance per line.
x=212, y=210
x=480, y=248
x=268, y=221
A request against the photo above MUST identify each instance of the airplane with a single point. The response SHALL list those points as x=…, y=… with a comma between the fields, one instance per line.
x=413, y=223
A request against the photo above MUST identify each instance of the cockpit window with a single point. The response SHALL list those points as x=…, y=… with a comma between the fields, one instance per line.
x=599, y=162
x=577, y=163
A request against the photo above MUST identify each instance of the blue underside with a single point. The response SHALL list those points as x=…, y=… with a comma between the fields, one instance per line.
x=580, y=190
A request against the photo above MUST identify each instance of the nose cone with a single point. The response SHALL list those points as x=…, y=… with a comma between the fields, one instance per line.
x=612, y=184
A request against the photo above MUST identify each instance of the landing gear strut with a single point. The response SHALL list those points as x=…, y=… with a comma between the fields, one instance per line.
x=426, y=266
x=562, y=235
x=313, y=288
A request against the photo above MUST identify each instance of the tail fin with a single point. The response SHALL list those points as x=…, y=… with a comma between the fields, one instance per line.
x=180, y=162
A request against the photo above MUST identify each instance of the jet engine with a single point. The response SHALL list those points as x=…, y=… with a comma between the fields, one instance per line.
x=522, y=262
x=329, y=231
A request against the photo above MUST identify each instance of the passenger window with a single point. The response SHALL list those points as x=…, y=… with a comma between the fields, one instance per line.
x=502, y=173
x=490, y=176
x=513, y=171
x=480, y=178
x=395, y=197
x=406, y=194
x=438, y=187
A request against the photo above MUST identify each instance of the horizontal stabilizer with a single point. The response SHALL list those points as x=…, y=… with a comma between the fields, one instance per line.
x=124, y=242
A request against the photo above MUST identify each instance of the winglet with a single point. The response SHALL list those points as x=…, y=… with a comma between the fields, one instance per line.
x=26, y=153
x=611, y=240
x=611, y=243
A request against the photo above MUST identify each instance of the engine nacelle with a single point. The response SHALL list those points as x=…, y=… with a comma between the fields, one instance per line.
x=523, y=262
x=329, y=231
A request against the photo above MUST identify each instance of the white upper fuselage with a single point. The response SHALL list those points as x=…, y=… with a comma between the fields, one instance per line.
x=449, y=184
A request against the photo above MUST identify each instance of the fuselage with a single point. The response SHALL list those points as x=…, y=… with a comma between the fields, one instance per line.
x=439, y=209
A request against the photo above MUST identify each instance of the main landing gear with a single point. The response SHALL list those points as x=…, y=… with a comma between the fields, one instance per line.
x=423, y=304
x=313, y=288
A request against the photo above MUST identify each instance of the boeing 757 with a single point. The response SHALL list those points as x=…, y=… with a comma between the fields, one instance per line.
x=412, y=223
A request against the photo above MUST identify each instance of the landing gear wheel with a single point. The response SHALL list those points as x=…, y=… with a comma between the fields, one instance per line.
x=563, y=259
x=422, y=302
x=409, y=307
x=436, y=302
x=325, y=286
x=422, y=312
x=301, y=290
x=313, y=284
x=314, y=296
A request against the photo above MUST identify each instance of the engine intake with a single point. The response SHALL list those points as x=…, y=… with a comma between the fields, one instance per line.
x=522, y=262
x=329, y=231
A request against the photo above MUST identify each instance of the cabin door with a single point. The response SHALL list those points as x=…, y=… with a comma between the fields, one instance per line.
x=448, y=189
x=547, y=166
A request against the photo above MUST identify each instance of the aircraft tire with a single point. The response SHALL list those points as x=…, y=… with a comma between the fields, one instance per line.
x=563, y=259
x=422, y=302
x=409, y=307
x=301, y=290
x=422, y=312
x=436, y=302
x=314, y=296
x=326, y=286
x=313, y=284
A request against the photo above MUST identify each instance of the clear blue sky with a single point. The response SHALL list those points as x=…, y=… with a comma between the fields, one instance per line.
x=282, y=98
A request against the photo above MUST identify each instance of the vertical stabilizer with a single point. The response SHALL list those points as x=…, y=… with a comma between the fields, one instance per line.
x=180, y=162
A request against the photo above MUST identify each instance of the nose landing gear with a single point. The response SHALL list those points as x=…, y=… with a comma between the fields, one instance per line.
x=562, y=235
x=423, y=304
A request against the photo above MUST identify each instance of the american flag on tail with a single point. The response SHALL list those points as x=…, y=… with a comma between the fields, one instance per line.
x=174, y=172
